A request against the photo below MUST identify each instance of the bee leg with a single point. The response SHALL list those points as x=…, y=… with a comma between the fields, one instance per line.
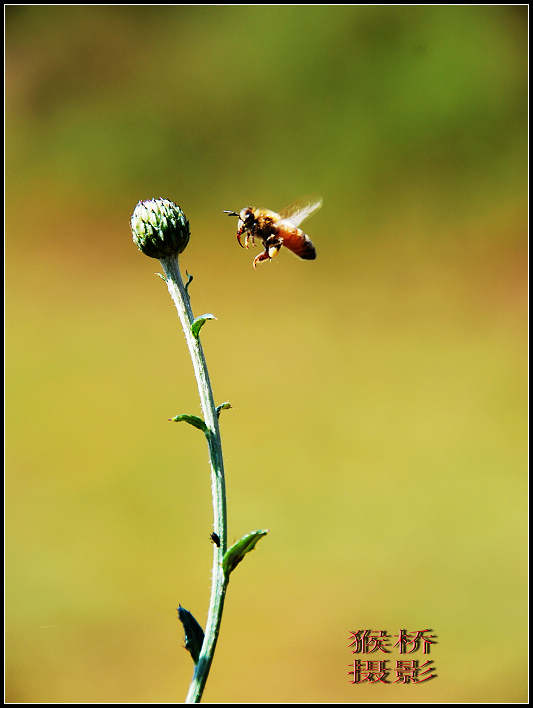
x=247, y=238
x=261, y=257
x=273, y=250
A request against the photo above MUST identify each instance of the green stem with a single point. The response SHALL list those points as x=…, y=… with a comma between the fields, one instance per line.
x=180, y=297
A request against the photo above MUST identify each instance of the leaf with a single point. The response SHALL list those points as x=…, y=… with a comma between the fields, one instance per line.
x=160, y=275
x=222, y=407
x=236, y=553
x=194, y=634
x=192, y=420
x=199, y=322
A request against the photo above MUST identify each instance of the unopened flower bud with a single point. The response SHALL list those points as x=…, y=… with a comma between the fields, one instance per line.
x=160, y=228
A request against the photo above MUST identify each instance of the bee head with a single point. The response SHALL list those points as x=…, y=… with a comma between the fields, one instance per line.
x=246, y=217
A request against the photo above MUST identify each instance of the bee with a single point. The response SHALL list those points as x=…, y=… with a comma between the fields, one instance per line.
x=276, y=230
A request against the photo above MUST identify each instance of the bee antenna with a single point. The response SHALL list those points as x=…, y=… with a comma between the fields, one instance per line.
x=231, y=213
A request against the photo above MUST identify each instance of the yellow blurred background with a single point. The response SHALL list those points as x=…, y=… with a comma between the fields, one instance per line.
x=379, y=421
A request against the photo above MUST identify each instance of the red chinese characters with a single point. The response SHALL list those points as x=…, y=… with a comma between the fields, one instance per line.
x=368, y=641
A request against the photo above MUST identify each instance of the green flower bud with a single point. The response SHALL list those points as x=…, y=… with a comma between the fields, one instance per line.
x=160, y=228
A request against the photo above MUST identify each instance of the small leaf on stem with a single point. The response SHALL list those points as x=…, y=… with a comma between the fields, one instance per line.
x=236, y=553
x=199, y=322
x=222, y=407
x=194, y=634
x=192, y=420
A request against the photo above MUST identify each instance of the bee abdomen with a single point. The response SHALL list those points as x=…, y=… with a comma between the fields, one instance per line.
x=308, y=249
x=299, y=243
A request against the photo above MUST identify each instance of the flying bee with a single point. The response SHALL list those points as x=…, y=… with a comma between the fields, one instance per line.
x=276, y=230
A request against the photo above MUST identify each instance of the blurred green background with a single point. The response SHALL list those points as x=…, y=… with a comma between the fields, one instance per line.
x=379, y=422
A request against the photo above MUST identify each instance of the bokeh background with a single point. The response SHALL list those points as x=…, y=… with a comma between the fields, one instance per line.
x=379, y=421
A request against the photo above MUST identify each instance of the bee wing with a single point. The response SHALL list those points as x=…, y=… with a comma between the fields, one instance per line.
x=297, y=212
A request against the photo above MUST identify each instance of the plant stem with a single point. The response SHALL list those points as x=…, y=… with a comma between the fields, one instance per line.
x=180, y=297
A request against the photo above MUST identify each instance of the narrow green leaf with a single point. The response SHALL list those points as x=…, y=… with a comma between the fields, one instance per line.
x=236, y=553
x=192, y=420
x=222, y=407
x=194, y=634
x=199, y=322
